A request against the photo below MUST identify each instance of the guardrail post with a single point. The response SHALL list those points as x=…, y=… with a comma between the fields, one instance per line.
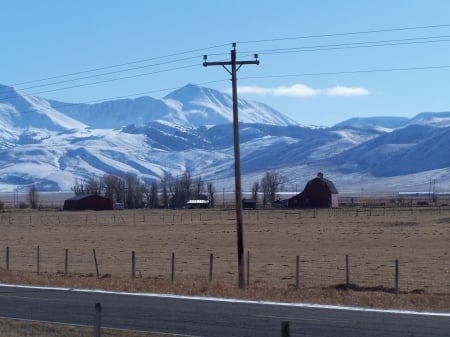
x=97, y=319
x=285, y=330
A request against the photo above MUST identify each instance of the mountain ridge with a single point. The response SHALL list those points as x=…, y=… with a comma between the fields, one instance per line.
x=51, y=143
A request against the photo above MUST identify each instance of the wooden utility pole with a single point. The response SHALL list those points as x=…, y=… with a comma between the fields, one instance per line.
x=235, y=65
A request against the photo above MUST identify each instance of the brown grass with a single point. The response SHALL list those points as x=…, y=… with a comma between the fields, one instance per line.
x=418, y=237
x=15, y=328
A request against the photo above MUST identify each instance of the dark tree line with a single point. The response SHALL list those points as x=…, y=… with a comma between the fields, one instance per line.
x=130, y=190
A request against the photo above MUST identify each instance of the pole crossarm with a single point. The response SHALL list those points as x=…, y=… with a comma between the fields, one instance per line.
x=228, y=63
x=235, y=66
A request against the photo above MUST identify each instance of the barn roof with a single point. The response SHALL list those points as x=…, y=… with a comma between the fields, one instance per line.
x=85, y=196
x=329, y=183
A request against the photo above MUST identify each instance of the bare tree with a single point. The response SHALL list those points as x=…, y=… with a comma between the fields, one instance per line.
x=151, y=193
x=33, y=196
x=211, y=194
x=134, y=191
x=78, y=188
x=165, y=183
x=113, y=187
x=93, y=186
x=270, y=184
x=199, y=186
x=181, y=190
x=255, y=190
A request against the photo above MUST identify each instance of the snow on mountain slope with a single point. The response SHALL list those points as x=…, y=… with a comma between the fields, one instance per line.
x=117, y=113
x=53, y=143
x=204, y=106
x=387, y=122
x=411, y=149
x=18, y=110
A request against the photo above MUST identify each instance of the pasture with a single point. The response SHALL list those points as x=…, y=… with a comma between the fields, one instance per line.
x=372, y=238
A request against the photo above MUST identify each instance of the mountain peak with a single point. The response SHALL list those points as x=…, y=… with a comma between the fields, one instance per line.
x=206, y=106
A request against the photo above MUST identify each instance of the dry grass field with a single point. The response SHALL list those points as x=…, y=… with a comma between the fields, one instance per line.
x=372, y=238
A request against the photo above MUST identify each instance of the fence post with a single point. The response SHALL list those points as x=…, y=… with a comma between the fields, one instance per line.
x=66, y=261
x=133, y=264
x=285, y=330
x=173, y=267
x=347, y=272
x=248, y=268
x=96, y=264
x=396, y=276
x=297, y=272
x=97, y=319
x=211, y=259
x=7, y=258
x=37, y=260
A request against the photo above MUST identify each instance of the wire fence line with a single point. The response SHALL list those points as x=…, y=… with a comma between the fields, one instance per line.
x=301, y=271
x=180, y=216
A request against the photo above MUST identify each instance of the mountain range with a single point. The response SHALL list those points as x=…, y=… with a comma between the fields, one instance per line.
x=51, y=143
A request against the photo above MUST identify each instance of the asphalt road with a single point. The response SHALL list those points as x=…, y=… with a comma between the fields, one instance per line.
x=212, y=318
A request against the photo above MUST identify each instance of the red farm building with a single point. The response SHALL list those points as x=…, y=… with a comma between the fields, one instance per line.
x=318, y=193
x=90, y=201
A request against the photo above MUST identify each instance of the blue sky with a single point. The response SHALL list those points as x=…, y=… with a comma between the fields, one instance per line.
x=318, y=64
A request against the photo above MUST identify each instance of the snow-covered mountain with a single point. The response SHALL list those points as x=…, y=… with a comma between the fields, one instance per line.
x=53, y=143
x=190, y=106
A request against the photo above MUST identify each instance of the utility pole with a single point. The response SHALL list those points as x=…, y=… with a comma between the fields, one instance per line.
x=235, y=66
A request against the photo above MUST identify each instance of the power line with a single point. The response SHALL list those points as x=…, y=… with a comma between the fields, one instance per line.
x=331, y=73
x=345, y=34
x=104, y=81
x=265, y=52
x=348, y=72
x=121, y=64
x=108, y=73
x=354, y=45
x=213, y=47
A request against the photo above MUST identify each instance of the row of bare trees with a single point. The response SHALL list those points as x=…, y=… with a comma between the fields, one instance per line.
x=130, y=190
x=170, y=191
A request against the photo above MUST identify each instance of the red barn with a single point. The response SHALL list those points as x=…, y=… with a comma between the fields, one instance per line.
x=90, y=201
x=318, y=193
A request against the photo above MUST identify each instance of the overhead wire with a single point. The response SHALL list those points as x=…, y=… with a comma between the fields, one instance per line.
x=345, y=34
x=352, y=45
x=348, y=72
x=120, y=64
x=218, y=46
x=331, y=73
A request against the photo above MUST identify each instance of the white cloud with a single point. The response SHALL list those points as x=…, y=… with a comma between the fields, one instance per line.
x=254, y=90
x=296, y=90
x=346, y=91
x=302, y=90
